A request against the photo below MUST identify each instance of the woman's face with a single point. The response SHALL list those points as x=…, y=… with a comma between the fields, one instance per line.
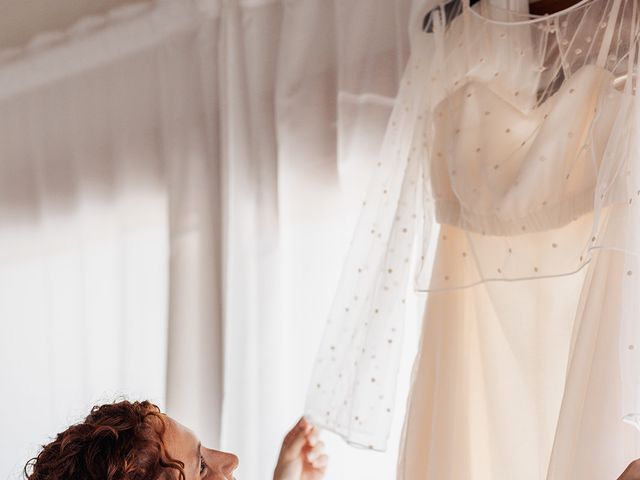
x=200, y=463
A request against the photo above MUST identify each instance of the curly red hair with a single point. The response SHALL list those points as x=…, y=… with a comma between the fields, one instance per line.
x=118, y=441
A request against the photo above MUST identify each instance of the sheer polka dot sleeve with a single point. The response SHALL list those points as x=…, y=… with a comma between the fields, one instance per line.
x=353, y=385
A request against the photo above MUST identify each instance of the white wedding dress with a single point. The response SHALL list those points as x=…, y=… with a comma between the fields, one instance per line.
x=519, y=136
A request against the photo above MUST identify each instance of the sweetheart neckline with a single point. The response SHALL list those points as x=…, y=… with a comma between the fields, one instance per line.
x=551, y=98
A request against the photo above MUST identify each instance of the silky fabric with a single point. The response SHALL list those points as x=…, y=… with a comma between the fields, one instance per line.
x=517, y=135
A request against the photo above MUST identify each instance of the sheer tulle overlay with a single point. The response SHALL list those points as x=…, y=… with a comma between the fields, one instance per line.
x=518, y=135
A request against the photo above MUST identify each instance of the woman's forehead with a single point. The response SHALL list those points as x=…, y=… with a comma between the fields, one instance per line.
x=181, y=444
x=177, y=431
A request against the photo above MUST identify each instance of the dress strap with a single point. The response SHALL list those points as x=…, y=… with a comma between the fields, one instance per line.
x=608, y=34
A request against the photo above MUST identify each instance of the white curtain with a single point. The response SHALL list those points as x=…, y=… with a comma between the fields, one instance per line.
x=179, y=181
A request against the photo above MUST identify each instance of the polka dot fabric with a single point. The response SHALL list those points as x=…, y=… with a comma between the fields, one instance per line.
x=515, y=138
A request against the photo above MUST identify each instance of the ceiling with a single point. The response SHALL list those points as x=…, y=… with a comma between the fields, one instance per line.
x=20, y=20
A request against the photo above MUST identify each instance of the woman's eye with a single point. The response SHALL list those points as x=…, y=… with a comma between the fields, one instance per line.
x=203, y=465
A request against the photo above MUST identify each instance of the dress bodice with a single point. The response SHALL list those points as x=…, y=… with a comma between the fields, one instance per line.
x=503, y=171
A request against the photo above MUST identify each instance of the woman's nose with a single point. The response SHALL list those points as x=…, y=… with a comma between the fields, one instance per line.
x=222, y=463
x=231, y=462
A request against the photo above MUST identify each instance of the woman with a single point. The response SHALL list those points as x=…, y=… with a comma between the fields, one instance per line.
x=135, y=441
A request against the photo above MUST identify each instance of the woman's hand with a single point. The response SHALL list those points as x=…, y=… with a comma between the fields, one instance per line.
x=632, y=472
x=302, y=455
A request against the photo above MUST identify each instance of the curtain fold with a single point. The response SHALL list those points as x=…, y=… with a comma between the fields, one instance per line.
x=83, y=245
x=186, y=71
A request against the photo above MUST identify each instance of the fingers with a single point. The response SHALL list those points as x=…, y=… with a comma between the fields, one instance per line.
x=316, y=457
x=313, y=435
x=300, y=426
x=296, y=439
x=303, y=443
x=314, y=450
